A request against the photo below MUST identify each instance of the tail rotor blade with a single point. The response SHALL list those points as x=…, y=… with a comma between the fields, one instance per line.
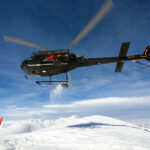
x=18, y=41
x=98, y=17
x=138, y=62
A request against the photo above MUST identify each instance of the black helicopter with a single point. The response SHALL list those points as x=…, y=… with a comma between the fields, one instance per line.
x=48, y=62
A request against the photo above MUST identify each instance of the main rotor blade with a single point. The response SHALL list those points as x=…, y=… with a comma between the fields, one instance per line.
x=107, y=6
x=14, y=40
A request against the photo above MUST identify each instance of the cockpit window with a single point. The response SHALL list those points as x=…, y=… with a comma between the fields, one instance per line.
x=29, y=59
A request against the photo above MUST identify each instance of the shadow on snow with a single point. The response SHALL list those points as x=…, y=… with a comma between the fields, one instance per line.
x=98, y=125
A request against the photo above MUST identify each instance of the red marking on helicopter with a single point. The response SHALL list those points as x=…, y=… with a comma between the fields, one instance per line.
x=53, y=57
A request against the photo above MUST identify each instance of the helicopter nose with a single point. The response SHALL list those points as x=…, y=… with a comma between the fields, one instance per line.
x=24, y=66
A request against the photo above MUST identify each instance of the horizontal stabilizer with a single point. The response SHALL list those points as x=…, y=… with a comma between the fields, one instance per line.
x=123, y=53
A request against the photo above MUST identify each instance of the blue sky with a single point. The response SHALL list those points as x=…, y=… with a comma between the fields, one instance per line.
x=54, y=24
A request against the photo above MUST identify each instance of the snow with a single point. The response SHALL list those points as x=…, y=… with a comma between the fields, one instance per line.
x=145, y=125
x=73, y=133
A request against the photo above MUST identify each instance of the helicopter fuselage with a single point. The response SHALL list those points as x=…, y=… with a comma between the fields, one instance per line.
x=61, y=61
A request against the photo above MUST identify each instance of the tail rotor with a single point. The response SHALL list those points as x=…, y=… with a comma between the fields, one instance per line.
x=147, y=53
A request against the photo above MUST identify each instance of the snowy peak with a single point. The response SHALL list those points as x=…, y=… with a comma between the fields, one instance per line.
x=27, y=126
x=73, y=133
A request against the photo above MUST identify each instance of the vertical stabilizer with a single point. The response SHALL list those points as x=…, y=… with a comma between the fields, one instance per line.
x=123, y=53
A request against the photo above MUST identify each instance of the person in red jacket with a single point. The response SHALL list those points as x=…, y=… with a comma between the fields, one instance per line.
x=1, y=120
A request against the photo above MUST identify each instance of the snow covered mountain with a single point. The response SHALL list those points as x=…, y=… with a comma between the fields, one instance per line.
x=88, y=133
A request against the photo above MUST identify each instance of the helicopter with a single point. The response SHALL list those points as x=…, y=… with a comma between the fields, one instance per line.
x=48, y=63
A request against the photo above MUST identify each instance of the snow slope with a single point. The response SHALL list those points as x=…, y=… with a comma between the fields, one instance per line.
x=88, y=133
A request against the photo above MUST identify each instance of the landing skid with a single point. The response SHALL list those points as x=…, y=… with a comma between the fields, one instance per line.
x=54, y=83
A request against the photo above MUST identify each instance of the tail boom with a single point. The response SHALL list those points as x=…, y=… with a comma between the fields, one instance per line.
x=119, y=60
x=106, y=60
